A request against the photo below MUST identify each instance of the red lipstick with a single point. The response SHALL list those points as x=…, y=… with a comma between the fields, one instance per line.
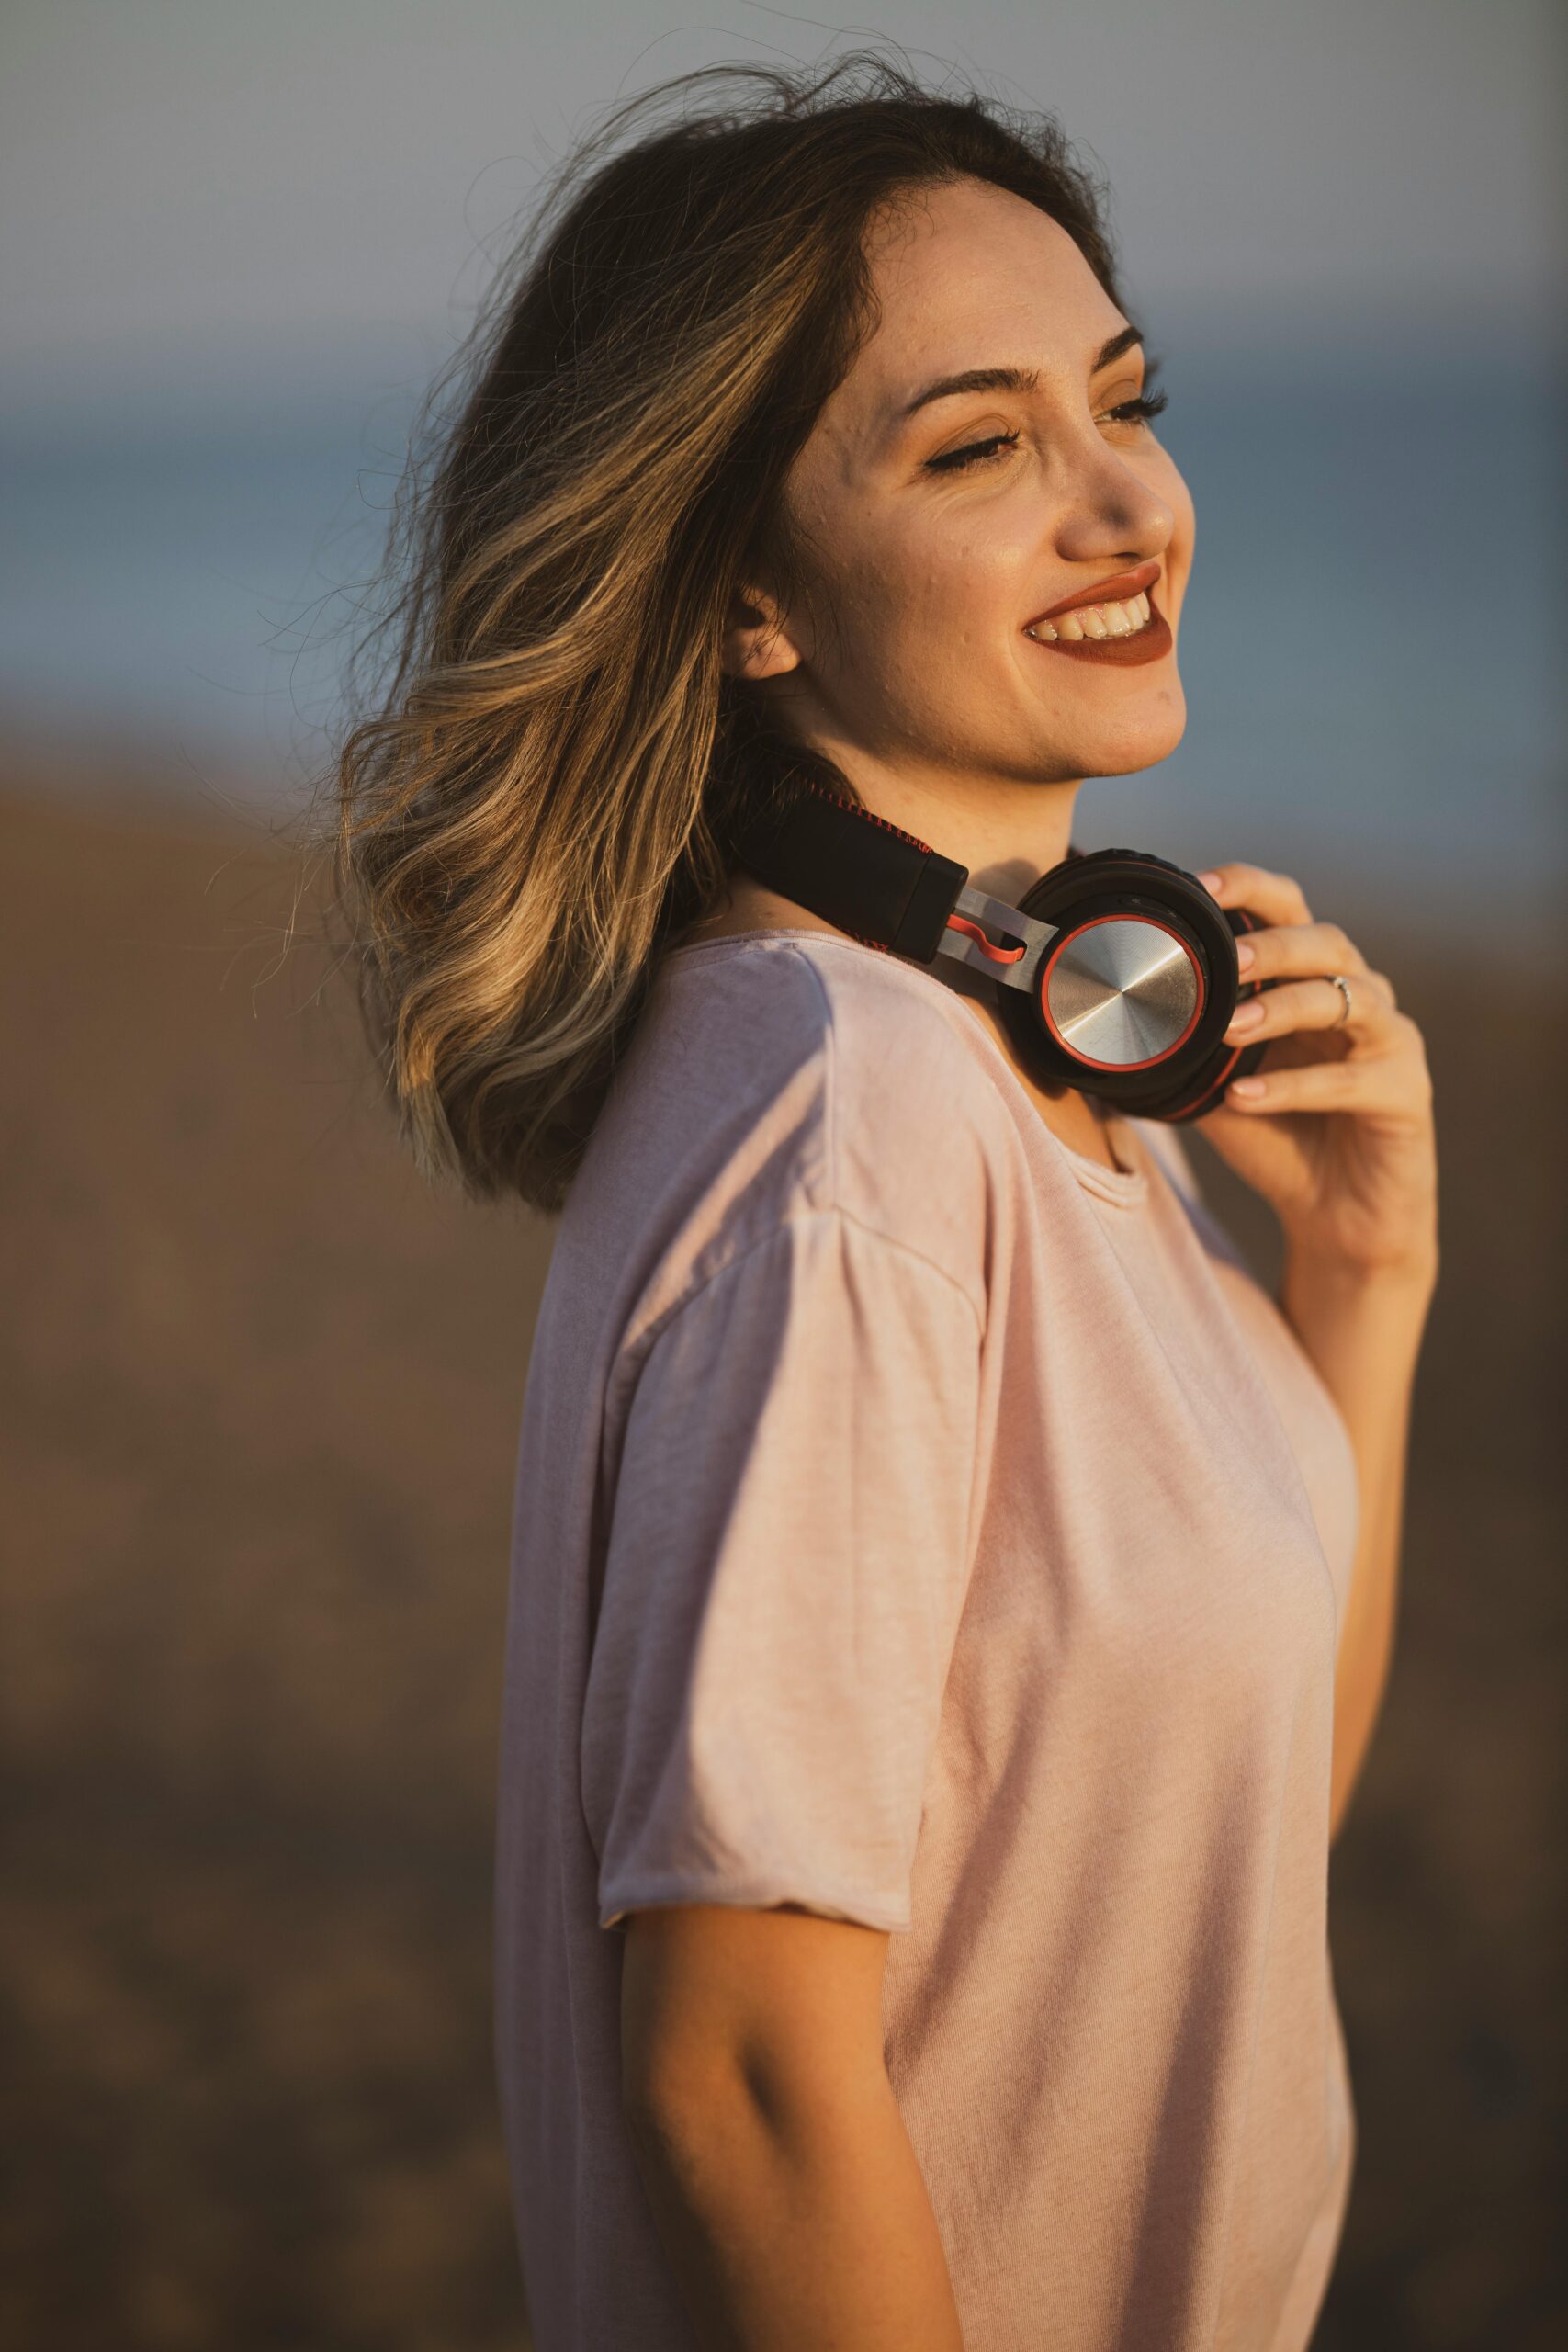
x=1118, y=590
x=1149, y=644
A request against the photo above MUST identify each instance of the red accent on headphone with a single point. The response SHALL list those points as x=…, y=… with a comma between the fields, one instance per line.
x=997, y=954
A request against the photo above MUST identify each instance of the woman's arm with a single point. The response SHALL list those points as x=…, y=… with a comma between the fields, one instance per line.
x=1364, y=1332
x=777, y=2166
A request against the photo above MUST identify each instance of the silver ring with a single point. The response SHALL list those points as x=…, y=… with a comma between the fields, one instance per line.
x=1343, y=985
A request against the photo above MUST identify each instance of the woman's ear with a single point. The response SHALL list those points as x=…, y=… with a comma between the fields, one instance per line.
x=757, y=644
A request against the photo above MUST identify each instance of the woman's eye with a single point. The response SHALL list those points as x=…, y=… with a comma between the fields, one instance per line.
x=1142, y=411
x=973, y=453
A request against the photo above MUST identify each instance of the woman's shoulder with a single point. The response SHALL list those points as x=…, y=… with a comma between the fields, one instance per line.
x=786, y=1074
x=899, y=1060
x=918, y=1117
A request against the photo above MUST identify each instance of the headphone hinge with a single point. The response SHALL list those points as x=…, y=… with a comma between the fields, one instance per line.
x=1003, y=923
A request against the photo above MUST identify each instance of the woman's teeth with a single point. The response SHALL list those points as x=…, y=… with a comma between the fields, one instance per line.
x=1094, y=620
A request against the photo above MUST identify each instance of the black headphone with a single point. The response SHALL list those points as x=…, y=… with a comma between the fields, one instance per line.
x=1116, y=972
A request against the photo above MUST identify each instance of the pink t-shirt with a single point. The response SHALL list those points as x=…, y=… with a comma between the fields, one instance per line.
x=921, y=1522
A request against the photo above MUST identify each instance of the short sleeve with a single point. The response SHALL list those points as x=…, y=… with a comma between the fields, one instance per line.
x=788, y=1552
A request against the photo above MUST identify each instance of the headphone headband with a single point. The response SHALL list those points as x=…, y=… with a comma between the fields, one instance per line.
x=867, y=876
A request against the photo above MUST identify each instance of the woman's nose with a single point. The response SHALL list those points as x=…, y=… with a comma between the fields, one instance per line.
x=1101, y=492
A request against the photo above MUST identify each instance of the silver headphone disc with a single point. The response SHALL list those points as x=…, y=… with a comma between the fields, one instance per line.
x=1122, y=991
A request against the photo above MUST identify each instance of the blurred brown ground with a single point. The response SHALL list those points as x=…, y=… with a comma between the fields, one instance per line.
x=261, y=1394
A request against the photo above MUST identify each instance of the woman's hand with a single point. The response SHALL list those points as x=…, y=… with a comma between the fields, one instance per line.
x=1334, y=1129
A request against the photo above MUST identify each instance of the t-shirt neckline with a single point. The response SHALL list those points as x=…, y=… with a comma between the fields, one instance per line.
x=1123, y=1187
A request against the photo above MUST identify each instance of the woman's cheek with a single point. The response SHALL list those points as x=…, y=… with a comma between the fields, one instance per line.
x=1173, y=489
x=927, y=614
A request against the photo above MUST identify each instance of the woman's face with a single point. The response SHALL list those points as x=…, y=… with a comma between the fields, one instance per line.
x=935, y=529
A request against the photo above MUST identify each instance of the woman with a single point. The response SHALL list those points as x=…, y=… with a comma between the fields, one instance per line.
x=951, y=1601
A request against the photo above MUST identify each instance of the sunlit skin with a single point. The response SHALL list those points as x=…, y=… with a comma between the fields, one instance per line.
x=925, y=688
x=919, y=681
x=799, y=2216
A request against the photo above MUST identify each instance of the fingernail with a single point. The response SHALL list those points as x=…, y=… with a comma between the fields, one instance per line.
x=1246, y=954
x=1247, y=1016
x=1246, y=1086
x=1210, y=880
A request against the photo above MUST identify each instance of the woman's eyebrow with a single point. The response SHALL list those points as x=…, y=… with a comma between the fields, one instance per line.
x=1015, y=379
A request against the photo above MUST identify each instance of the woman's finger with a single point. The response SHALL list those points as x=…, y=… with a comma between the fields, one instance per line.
x=1272, y=897
x=1300, y=948
x=1311, y=1086
x=1393, y=1076
x=1312, y=1004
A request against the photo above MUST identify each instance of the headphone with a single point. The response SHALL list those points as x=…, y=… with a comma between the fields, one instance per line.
x=1116, y=972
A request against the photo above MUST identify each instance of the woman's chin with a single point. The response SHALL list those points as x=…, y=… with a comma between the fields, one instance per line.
x=1127, y=739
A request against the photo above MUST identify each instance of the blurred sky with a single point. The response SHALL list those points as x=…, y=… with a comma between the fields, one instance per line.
x=198, y=181
x=235, y=241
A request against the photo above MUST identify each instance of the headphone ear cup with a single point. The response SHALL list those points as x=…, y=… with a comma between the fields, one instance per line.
x=1087, y=888
x=1144, y=895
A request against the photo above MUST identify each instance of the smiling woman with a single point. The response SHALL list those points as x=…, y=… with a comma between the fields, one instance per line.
x=950, y=1599
x=629, y=411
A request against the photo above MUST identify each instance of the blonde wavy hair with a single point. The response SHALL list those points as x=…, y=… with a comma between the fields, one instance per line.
x=535, y=808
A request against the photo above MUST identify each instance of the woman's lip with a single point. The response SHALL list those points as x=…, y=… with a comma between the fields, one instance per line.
x=1118, y=590
x=1146, y=644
